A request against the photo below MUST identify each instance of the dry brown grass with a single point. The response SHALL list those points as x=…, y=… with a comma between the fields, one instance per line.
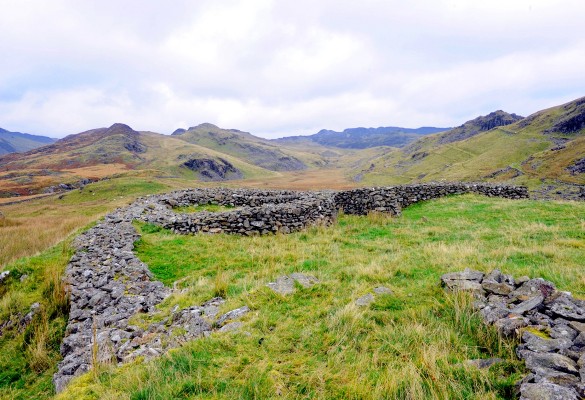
x=303, y=180
x=22, y=235
x=33, y=226
x=98, y=171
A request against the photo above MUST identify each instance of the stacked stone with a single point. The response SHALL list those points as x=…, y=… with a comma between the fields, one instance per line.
x=264, y=212
x=108, y=285
x=550, y=324
x=229, y=197
x=394, y=198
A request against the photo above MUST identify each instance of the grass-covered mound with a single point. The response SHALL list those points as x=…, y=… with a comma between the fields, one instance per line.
x=317, y=343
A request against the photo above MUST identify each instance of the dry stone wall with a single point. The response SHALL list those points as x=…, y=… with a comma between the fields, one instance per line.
x=549, y=323
x=393, y=199
x=109, y=284
x=262, y=212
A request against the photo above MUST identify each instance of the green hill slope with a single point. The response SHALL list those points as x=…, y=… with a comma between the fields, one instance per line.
x=105, y=152
x=544, y=148
x=254, y=150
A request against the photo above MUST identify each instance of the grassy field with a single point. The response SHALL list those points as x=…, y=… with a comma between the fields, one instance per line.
x=317, y=343
x=29, y=227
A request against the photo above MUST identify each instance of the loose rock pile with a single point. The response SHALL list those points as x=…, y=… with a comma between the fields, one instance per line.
x=109, y=284
x=550, y=323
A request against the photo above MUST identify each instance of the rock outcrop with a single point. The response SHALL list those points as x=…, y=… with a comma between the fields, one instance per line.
x=549, y=323
x=213, y=170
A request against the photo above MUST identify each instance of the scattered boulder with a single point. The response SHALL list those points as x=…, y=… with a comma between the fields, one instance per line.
x=4, y=275
x=547, y=391
x=382, y=290
x=539, y=344
x=497, y=283
x=528, y=305
x=231, y=326
x=286, y=284
x=231, y=315
x=305, y=281
x=365, y=300
x=369, y=298
x=468, y=280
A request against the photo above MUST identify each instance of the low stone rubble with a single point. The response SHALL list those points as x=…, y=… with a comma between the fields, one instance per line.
x=368, y=298
x=286, y=284
x=549, y=323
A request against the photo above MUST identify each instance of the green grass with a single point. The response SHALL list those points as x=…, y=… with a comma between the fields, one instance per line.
x=29, y=358
x=526, y=149
x=316, y=343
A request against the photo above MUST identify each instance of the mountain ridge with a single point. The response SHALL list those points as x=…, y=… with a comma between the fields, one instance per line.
x=16, y=142
x=361, y=138
x=544, y=149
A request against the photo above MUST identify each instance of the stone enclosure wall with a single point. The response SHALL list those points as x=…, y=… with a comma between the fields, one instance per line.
x=109, y=284
x=393, y=199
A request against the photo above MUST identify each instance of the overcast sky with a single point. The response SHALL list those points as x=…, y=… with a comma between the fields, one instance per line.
x=279, y=68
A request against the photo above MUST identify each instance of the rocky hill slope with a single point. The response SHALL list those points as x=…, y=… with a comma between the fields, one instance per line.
x=105, y=152
x=544, y=151
x=243, y=145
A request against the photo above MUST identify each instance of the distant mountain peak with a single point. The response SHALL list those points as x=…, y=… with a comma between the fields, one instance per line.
x=178, y=131
x=480, y=124
x=205, y=125
x=119, y=128
x=362, y=138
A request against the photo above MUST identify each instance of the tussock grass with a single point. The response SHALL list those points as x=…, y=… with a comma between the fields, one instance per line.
x=317, y=343
x=28, y=357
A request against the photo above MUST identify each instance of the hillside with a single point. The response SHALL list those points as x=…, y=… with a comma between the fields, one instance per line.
x=14, y=142
x=544, y=151
x=478, y=125
x=244, y=145
x=106, y=152
x=362, y=138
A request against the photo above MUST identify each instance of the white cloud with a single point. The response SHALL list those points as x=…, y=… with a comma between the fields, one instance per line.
x=281, y=67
